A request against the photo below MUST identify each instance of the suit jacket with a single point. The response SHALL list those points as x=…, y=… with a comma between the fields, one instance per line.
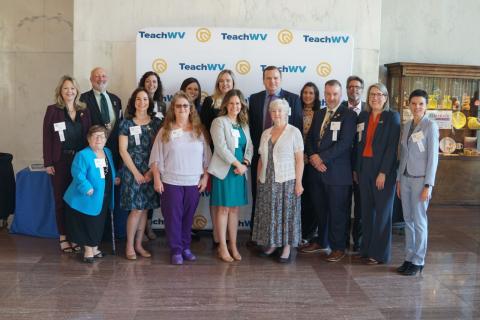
x=112, y=143
x=420, y=163
x=224, y=151
x=255, y=114
x=52, y=146
x=384, y=144
x=86, y=176
x=355, y=141
x=336, y=155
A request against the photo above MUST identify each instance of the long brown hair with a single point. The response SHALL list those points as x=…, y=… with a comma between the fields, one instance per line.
x=242, y=116
x=193, y=119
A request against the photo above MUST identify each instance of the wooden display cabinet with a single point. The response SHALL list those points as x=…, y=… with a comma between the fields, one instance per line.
x=452, y=89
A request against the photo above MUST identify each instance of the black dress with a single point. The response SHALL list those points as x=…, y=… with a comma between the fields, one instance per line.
x=84, y=229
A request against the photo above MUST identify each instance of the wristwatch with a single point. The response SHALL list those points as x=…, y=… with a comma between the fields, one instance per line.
x=427, y=186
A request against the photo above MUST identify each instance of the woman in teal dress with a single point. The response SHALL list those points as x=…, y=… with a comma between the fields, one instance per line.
x=137, y=133
x=233, y=152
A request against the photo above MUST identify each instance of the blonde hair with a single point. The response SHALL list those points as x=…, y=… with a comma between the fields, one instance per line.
x=58, y=93
x=383, y=90
x=217, y=94
x=193, y=118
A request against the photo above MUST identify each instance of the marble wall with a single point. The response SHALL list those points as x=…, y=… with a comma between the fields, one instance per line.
x=36, y=48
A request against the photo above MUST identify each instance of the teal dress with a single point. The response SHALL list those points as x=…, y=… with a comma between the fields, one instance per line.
x=231, y=191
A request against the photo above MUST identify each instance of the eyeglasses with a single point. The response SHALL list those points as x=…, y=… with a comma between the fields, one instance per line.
x=376, y=95
x=184, y=106
x=355, y=87
x=99, y=137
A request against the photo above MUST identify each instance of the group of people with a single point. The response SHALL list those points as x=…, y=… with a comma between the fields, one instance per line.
x=306, y=164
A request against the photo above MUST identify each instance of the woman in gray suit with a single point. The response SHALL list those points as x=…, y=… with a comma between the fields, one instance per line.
x=233, y=151
x=415, y=179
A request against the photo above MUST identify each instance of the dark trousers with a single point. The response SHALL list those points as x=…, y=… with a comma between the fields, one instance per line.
x=354, y=229
x=60, y=182
x=330, y=203
x=7, y=186
x=179, y=204
x=377, y=208
x=309, y=216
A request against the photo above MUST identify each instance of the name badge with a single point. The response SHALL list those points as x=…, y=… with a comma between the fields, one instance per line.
x=289, y=111
x=60, y=127
x=335, y=126
x=177, y=133
x=100, y=164
x=417, y=138
x=360, y=128
x=236, y=136
x=136, y=131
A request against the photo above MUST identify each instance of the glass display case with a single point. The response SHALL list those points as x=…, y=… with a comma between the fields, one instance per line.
x=454, y=103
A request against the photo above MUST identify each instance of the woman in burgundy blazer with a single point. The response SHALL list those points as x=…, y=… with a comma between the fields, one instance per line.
x=65, y=128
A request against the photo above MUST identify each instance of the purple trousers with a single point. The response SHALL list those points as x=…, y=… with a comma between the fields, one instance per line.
x=179, y=204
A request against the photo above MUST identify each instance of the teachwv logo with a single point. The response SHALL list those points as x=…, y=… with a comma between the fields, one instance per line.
x=288, y=68
x=162, y=35
x=203, y=34
x=159, y=65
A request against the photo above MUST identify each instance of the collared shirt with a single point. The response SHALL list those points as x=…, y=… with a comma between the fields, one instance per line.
x=372, y=126
x=326, y=114
x=357, y=108
x=276, y=95
x=111, y=112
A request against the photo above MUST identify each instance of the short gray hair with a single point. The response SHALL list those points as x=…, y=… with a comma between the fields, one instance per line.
x=279, y=103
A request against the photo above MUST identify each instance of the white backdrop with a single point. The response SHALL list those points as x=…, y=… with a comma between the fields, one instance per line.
x=302, y=55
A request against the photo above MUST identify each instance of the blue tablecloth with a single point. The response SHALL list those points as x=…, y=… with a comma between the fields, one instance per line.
x=35, y=206
x=35, y=209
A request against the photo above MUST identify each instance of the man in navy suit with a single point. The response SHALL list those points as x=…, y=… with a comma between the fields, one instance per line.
x=259, y=117
x=355, y=86
x=329, y=150
x=105, y=108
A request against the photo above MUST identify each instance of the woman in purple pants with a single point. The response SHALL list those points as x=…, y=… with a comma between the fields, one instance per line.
x=179, y=160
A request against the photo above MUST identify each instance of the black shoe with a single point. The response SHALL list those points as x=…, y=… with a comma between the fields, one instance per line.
x=100, y=254
x=88, y=259
x=264, y=254
x=285, y=260
x=412, y=270
x=404, y=266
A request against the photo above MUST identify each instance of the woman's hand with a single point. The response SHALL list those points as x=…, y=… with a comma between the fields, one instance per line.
x=425, y=194
x=50, y=170
x=380, y=182
x=298, y=188
x=202, y=185
x=158, y=186
x=398, y=190
x=148, y=176
x=240, y=170
x=90, y=192
x=139, y=178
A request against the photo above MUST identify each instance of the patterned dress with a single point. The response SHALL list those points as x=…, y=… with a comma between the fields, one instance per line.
x=134, y=195
x=277, y=210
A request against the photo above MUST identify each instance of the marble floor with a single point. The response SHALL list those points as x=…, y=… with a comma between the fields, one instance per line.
x=37, y=282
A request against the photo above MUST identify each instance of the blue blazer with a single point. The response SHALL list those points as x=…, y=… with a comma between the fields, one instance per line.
x=384, y=145
x=420, y=163
x=255, y=114
x=85, y=177
x=336, y=155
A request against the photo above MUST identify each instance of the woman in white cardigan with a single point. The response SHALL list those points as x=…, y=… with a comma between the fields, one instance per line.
x=280, y=170
x=233, y=152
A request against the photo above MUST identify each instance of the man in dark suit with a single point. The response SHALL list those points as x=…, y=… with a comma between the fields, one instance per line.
x=105, y=109
x=329, y=150
x=355, y=86
x=259, y=117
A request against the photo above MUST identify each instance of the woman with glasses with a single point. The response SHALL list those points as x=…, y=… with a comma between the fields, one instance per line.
x=137, y=132
x=179, y=161
x=378, y=132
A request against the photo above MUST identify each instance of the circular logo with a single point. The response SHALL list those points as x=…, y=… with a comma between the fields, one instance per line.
x=285, y=36
x=159, y=65
x=199, y=222
x=203, y=34
x=242, y=67
x=324, y=69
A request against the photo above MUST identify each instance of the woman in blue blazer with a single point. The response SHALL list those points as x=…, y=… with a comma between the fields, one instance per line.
x=90, y=195
x=378, y=132
x=233, y=151
x=415, y=180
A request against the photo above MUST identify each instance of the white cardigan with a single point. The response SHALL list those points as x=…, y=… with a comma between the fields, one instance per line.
x=224, y=147
x=289, y=142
